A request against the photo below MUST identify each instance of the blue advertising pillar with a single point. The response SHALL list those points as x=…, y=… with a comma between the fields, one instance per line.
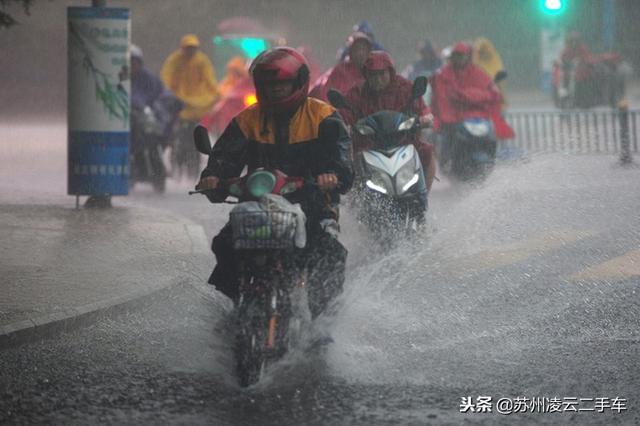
x=98, y=101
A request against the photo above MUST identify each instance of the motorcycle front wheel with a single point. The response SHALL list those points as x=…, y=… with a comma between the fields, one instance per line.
x=251, y=341
x=263, y=326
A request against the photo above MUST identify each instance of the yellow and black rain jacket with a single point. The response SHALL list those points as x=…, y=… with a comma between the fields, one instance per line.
x=312, y=141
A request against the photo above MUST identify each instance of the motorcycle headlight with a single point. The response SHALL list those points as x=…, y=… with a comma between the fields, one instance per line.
x=411, y=182
x=407, y=124
x=261, y=183
x=478, y=127
x=406, y=177
x=379, y=181
x=375, y=187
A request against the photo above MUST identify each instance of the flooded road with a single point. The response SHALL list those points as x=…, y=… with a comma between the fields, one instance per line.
x=522, y=287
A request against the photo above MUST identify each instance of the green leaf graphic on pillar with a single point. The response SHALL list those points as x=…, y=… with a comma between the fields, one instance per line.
x=113, y=97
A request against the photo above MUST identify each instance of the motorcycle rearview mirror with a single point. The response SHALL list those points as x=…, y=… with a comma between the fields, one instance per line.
x=337, y=100
x=500, y=75
x=419, y=87
x=201, y=139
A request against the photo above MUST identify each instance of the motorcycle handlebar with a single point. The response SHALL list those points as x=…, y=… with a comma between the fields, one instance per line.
x=224, y=183
x=212, y=192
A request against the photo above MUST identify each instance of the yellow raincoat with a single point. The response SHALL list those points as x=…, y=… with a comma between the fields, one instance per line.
x=193, y=81
x=487, y=57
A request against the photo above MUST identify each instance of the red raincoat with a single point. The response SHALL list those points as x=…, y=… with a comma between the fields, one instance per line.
x=579, y=52
x=463, y=93
x=341, y=77
x=395, y=97
x=467, y=93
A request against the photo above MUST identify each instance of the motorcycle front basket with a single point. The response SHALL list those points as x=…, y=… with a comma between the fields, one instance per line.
x=265, y=229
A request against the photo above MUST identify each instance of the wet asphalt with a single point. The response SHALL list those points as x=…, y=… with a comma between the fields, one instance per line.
x=524, y=286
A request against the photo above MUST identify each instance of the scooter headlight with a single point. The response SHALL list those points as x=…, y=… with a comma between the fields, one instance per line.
x=376, y=187
x=411, y=182
x=379, y=181
x=406, y=178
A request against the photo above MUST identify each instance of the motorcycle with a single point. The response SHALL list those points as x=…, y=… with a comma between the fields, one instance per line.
x=150, y=130
x=268, y=239
x=603, y=83
x=471, y=153
x=467, y=150
x=390, y=186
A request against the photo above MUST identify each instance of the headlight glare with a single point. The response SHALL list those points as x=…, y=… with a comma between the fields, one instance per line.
x=375, y=187
x=411, y=182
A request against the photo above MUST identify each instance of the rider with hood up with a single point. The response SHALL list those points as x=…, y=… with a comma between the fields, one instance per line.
x=462, y=90
x=301, y=136
x=361, y=27
x=486, y=56
x=344, y=75
x=383, y=89
x=189, y=74
x=146, y=87
x=148, y=91
x=576, y=50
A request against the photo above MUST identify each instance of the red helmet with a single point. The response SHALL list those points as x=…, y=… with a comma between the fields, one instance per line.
x=281, y=64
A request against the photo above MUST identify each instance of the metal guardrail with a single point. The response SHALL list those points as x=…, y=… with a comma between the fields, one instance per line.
x=577, y=131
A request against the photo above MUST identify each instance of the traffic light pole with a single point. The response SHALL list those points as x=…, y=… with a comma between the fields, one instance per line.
x=552, y=35
x=608, y=24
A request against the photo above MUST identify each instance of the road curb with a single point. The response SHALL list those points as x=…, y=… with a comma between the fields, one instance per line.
x=26, y=331
x=45, y=326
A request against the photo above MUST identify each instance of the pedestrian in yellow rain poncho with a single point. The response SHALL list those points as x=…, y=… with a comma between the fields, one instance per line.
x=236, y=71
x=188, y=73
x=487, y=57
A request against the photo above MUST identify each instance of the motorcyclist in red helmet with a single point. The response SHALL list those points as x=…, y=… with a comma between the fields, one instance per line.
x=301, y=136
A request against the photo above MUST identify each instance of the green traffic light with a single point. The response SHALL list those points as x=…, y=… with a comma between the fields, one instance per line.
x=553, y=7
x=553, y=4
x=250, y=46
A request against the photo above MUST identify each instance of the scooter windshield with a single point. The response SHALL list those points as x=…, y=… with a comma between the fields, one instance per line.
x=385, y=125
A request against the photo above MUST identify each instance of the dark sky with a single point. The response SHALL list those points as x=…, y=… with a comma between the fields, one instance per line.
x=33, y=54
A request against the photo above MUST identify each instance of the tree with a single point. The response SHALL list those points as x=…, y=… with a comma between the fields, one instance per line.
x=6, y=19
